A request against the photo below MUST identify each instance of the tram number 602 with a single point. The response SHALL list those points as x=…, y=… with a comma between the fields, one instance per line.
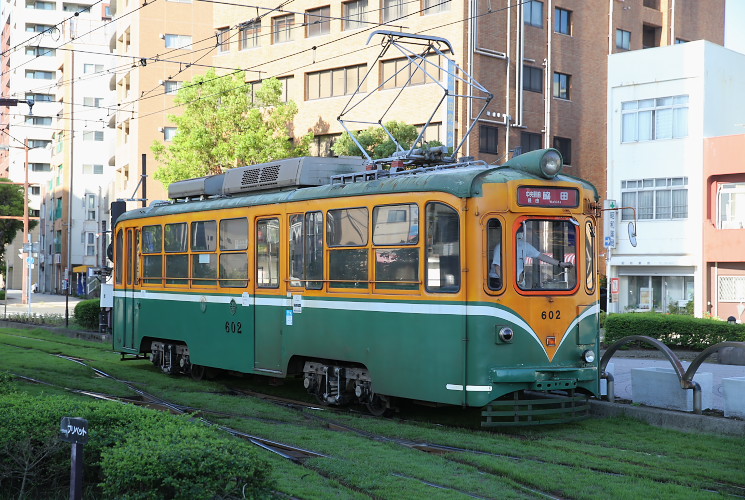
x=233, y=327
x=551, y=315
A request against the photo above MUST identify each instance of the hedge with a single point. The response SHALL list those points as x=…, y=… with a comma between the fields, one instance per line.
x=673, y=330
x=87, y=313
x=132, y=453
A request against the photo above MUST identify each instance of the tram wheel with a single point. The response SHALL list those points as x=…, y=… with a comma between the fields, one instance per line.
x=378, y=406
x=197, y=372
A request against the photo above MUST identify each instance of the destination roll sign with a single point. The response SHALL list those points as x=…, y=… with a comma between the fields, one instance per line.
x=74, y=430
x=547, y=196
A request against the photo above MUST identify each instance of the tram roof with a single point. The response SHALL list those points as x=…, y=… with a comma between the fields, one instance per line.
x=463, y=182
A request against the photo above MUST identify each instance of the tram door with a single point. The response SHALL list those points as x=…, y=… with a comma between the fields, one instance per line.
x=130, y=249
x=269, y=313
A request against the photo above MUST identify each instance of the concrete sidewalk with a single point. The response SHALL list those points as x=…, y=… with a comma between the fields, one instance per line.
x=41, y=303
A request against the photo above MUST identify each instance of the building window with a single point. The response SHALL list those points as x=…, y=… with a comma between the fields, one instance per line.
x=40, y=51
x=39, y=120
x=35, y=190
x=397, y=73
x=40, y=97
x=93, y=102
x=663, y=198
x=178, y=41
x=90, y=244
x=563, y=21
x=561, y=85
x=394, y=9
x=731, y=206
x=530, y=141
x=39, y=75
x=623, y=39
x=533, y=79
x=680, y=40
x=223, y=39
x=40, y=167
x=172, y=86
x=731, y=289
x=654, y=119
x=284, y=81
x=90, y=206
x=39, y=28
x=282, y=28
x=318, y=21
x=651, y=36
x=92, y=169
x=93, y=136
x=335, y=82
x=355, y=14
x=533, y=13
x=564, y=146
x=41, y=5
x=39, y=143
x=248, y=35
x=435, y=6
x=488, y=139
x=92, y=68
x=169, y=133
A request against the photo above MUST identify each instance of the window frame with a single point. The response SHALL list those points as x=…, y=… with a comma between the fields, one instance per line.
x=558, y=93
x=488, y=139
x=320, y=18
x=562, y=21
x=532, y=11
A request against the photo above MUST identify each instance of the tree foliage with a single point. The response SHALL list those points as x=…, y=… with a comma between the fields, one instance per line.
x=375, y=141
x=11, y=203
x=223, y=126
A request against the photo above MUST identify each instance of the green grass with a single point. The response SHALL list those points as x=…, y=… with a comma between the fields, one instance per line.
x=597, y=458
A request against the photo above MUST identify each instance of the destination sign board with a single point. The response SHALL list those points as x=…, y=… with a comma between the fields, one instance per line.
x=547, y=196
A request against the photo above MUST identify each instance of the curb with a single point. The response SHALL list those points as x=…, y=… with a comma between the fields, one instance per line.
x=668, y=419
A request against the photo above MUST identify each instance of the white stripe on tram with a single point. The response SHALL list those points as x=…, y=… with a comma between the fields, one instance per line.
x=366, y=306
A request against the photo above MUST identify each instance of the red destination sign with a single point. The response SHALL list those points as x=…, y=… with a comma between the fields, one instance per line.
x=545, y=196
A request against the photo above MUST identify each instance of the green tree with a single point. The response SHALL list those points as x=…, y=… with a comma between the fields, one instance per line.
x=11, y=203
x=223, y=127
x=375, y=141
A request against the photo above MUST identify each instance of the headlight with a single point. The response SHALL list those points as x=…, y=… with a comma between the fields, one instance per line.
x=551, y=163
x=506, y=334
x=588, y=356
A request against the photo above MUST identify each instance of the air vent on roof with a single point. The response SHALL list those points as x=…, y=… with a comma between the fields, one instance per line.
x=292, y=172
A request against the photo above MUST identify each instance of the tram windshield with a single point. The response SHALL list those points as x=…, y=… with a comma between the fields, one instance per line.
x=546, y=255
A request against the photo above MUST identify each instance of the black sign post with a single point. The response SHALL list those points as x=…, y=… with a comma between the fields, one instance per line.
x=75, y=430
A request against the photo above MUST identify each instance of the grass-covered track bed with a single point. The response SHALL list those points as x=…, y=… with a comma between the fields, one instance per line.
x=609, y=458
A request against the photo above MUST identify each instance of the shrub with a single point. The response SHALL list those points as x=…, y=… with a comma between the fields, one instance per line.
x=87, y=313
x=2, y=294
x=672, y=329
x=132, y=453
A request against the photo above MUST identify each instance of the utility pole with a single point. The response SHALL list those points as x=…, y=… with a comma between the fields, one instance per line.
x=26, y=275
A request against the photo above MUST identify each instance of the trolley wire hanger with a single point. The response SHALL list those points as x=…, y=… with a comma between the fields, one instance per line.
x=424, y=58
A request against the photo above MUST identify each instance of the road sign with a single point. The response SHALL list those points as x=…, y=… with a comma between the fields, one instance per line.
x=610, y=223
x=30, y=260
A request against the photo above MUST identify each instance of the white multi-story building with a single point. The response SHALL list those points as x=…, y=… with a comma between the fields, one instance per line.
x=668, y=108
x=58, y=53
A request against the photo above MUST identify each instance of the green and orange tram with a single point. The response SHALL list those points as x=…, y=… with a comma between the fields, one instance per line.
x=466, y=284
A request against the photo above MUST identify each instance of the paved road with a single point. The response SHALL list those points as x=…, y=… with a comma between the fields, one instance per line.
x=41, y=303
x=622, y=374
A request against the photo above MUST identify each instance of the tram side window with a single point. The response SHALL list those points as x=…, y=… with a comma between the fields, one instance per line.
x=119, y=251
x=233, y=258
x=204, y=265
x=267, y=253
x=495, y=254
x=306, y=250
x=177, y=264
x=443, y=248
x=152, y=243
x=130, y=251
x=396, y=267
x=347, y=227
x=589, y=256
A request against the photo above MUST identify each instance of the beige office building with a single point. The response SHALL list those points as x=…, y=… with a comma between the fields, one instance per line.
x=545, y=62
